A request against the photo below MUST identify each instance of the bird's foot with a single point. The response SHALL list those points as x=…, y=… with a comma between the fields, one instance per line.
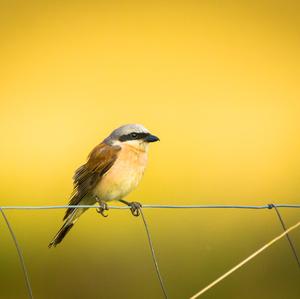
x=135, y=208
x=102, y=207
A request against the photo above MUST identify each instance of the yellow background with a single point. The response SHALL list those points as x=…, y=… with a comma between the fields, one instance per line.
x=218, y=82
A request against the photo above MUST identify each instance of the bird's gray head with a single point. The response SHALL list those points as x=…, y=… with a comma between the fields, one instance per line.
x=133, y=134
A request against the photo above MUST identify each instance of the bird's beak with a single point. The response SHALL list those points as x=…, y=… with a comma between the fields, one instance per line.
x=151, y=138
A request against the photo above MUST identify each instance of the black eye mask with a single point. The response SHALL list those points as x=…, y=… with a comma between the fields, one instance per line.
x=133, y=136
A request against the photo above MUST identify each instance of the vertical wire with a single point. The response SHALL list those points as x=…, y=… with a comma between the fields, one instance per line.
x=153, y=255
x=287, y=235
x=21, y=258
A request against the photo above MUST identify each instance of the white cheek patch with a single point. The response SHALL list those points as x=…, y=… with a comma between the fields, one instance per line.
x=116, y=142
x=135, y=143
x=139, y=144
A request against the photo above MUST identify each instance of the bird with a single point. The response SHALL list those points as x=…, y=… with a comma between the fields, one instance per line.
x=113, y=169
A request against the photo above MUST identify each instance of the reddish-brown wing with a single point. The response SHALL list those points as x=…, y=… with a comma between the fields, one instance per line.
x=87, y=176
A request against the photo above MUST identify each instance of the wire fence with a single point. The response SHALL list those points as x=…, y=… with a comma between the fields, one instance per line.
x=271, y=206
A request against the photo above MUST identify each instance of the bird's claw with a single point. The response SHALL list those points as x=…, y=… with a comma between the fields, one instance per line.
x=135, y=208
x=102, y=207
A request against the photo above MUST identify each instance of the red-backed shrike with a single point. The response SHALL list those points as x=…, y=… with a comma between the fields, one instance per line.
x=114, y=168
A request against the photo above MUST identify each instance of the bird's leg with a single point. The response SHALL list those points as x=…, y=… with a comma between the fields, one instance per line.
x=102, y=206
x=134, y=206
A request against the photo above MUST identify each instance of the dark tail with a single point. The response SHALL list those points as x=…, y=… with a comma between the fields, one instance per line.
x=61, y=234
x=71, y=218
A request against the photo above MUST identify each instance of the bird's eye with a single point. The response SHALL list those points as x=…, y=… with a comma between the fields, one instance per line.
x=133, y=135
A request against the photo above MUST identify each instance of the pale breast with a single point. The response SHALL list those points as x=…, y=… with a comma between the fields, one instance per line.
x=123, y=176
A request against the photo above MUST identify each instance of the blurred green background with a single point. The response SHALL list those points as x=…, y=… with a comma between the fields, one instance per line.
x=217, y=81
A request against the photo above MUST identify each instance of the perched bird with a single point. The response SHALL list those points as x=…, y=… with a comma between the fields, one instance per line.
x=113, y=169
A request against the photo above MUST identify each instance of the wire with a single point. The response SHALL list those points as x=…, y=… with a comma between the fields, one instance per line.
x=244, y=261
x=293, y=248
x=153, y=255
x=157, y=206
x=153, y=206
x=22, y=262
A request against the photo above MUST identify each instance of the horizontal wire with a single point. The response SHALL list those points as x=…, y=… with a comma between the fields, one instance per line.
x=154, y=206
